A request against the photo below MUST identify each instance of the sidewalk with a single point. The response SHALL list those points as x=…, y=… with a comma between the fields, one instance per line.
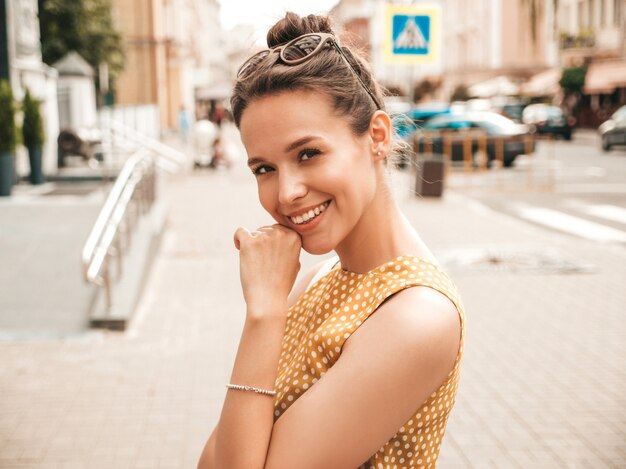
x=542, y=382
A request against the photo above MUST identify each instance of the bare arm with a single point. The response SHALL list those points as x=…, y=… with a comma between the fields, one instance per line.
x=388, y=368
x=207, y=459
x=269, y=263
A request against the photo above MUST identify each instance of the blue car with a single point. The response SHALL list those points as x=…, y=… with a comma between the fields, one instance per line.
x=514, y=136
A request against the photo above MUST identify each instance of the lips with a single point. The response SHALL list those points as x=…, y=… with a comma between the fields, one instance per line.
x=310, y=215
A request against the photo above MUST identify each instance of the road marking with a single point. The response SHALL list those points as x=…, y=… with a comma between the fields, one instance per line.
x=609, y=212
x=600, y=188
x=570, y=224
x=595, y=171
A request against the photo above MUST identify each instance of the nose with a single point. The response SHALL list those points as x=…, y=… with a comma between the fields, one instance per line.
x=291, y=187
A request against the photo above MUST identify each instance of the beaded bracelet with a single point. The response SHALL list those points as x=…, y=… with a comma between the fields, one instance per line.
x=250, y=388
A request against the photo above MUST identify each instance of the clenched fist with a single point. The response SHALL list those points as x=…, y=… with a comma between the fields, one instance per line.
x=269, y=261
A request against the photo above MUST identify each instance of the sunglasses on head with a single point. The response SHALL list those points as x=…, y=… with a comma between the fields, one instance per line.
x=300, y=50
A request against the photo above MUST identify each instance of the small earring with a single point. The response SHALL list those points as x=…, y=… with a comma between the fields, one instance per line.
x=378, y=153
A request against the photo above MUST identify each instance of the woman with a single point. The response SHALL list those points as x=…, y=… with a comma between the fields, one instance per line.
x=319, y=380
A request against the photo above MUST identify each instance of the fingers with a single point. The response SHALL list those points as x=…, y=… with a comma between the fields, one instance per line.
x=240, y=233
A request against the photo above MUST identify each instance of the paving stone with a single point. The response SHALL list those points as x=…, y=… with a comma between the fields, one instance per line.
x=541, y=385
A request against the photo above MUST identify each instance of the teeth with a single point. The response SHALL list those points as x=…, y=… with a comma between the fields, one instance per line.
x=305, y=217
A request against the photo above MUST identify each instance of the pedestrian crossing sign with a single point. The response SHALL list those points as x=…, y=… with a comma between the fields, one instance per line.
x=412, y=33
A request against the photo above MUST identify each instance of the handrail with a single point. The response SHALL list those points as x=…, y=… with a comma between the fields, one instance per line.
x=135, y=183
x=171, y=160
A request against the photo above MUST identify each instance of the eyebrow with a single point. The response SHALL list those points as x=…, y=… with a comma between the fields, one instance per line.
x=298, y=143
x=254, y=161
x=292, y=146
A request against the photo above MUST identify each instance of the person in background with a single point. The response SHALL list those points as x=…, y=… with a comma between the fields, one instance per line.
x=183, y=123
x=357, y=363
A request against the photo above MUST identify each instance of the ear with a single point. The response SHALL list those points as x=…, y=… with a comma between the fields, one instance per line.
x=380, y=134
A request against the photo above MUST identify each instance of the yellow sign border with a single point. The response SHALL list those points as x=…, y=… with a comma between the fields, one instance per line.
x=431, y=10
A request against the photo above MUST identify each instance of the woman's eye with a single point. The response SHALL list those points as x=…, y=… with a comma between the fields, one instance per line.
x=263, y=169
x=308, y=153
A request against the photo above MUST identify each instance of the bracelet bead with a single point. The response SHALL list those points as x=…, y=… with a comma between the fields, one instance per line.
x=240, y=387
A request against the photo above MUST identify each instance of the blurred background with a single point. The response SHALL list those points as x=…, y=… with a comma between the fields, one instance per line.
x=122, y=179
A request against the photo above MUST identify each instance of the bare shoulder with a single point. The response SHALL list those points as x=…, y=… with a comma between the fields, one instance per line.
x=419, y=320
x=303, y=282
x=388, y=367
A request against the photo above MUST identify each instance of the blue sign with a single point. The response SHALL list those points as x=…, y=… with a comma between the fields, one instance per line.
x=410, y=34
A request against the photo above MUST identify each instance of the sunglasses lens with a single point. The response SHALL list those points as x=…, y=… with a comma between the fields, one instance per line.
x=248, y=67
x=300, y=48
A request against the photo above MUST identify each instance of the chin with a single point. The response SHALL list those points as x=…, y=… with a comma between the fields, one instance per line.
x=317, y=249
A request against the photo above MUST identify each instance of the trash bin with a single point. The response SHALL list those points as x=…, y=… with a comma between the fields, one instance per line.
x=430, y=174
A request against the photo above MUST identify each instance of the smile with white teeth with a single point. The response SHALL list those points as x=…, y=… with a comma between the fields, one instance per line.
x=310, y=215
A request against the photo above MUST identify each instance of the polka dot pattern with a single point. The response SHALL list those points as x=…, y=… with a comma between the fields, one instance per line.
x=323, y=319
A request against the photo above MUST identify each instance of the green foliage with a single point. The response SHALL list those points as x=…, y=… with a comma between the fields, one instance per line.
x=8, y=128
x=573, y=79
x=460, y=93
x=584, y=39
x=85, y=26
x=32, y=127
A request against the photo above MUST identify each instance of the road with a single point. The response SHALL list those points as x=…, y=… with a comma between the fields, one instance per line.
x=572, y=187
x=543, y=371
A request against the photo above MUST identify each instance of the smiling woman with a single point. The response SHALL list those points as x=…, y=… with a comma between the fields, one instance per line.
x=357, y=364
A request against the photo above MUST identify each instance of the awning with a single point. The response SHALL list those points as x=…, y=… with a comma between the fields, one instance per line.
x=604, y=77
x=544, y=83
x=498, y=86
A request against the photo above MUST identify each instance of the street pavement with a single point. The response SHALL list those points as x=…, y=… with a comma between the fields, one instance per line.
x=543, y=376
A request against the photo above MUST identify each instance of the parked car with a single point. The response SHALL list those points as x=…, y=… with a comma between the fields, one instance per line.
x=513, y=111
x=613, y=131
x=422, y=113
x=407, y=120
x=514, y=135
x=548, y=120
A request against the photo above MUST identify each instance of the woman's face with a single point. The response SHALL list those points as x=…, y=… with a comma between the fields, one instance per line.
x=313, y=174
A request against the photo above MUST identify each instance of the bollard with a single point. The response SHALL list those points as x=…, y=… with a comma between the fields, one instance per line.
x=482, y=149
x=468, y=156
x=429, y=177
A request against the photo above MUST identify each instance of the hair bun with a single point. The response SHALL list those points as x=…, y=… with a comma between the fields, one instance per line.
x=293, y=26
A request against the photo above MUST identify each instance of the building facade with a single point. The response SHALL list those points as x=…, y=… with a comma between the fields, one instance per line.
x=172, y=48
x=362, y=24
x=21, y=65
x=485, y=39
x=592, y=34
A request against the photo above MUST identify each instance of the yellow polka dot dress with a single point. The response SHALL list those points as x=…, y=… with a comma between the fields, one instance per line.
x=327, y=314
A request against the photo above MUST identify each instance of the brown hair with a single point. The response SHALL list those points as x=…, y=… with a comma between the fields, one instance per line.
x=326, y=73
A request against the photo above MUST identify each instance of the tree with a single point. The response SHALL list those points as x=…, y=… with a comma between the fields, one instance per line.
x=85, y=26
x=573, y=80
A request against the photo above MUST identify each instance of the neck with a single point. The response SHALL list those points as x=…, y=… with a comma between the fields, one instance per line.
x=381, y=234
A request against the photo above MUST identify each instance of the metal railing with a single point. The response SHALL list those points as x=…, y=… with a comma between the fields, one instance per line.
x=170, y=159
x=474, y=150
x=131, y=197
